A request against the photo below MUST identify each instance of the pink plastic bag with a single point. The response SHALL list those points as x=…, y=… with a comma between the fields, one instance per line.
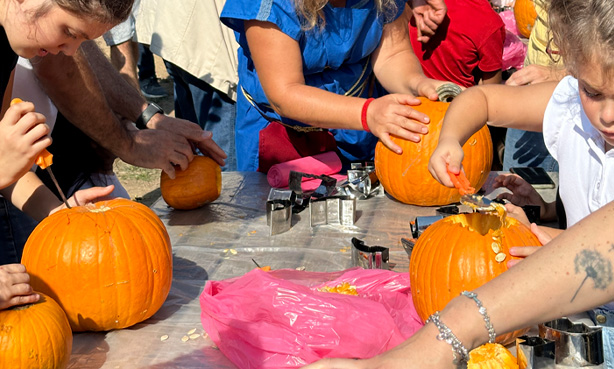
x=279, y=319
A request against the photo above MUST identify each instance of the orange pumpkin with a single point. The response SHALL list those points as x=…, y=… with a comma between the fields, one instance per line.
x=109, y=264
x=491, y=356
x=462, y=252
x=35, y=336
x=199, y=184
x=406, y=177
x=525, y=15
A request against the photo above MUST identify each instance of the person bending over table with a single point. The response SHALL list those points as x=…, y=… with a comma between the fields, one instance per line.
x=309, y=66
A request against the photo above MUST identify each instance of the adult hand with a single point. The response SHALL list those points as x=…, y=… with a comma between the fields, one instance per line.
x=83, y=197
x=447, y=156
x=23, y=135
x=427, y=87
x=202, y=140
x=15, y=286
x=393, y=115
x=522, y=192
x=534, y=73
x=517, y=213
x=429, y=14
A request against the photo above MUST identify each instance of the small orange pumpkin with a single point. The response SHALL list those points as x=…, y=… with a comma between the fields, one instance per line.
x=462, y=252
x=406, y=177
x=491, y=356
x=35, y=336
x=108, y=264
x=525, y=15
x=199, y=184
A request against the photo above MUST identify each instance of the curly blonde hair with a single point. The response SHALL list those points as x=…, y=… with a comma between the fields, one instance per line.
x=583, y=30
x=312, y=13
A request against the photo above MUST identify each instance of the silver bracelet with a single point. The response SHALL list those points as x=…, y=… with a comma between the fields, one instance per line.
x=491, y=330
x=461, y=355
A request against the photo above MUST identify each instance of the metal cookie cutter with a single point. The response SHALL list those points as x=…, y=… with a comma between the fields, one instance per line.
x=576, y=344
x=420, y=224
x=279, y=210
x=369, y=257
x=336, y=210
x=362, y=182
x=535, y=352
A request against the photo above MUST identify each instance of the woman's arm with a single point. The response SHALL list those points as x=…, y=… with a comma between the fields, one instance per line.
x=396, y=66
x=278, y=61
x=570, y=274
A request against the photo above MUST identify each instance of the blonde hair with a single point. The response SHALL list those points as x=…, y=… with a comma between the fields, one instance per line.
x=583, y=31
x=311, y=11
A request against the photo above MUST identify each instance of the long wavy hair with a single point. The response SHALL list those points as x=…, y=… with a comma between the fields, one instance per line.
x=583, y=30
x=312, y=13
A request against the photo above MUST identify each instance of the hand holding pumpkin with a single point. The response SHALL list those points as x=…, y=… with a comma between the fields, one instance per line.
x=15, y=286
x=393, y=115
x=83, y=197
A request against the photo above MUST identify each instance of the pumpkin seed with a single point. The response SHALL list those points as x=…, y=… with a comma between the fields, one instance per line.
x=191, y=331
x=164, y=338
x=500, y=257
x=233, y=251
x=496, y=248
x=185, y=339
x=194, y=336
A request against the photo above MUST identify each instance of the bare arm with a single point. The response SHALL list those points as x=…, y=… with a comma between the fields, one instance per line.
x=277, y=58
x=571, y=274
x=396, y=66
x=499, y=105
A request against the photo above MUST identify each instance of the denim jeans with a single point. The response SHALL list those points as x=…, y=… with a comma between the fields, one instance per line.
x=15, y=228
x=146, y=64
x=607, y=331
x=197, y=101
x=527, y=149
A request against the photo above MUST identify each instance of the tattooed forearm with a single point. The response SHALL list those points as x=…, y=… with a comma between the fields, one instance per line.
x=594, y=266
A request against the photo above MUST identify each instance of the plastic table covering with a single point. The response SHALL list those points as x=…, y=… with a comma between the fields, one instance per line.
x=218, y=241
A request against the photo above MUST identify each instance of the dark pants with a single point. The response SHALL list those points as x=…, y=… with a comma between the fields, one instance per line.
x=15, y=228
x=146, y=64
x=197, y=101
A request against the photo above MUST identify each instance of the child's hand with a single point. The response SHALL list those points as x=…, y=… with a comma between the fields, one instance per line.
x=23, y=135
x=522, y=192
x=517, y=213
x=447, y=157
x=83, y=197
x=525, y=251
x=14, y=286
x=393, y=115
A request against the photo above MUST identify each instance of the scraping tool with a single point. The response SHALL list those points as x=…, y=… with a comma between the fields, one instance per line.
x=44, y=161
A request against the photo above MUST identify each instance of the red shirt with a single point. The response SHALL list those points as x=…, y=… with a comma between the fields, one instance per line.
x=471, y=36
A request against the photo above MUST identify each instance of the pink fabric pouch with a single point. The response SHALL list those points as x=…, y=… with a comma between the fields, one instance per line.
x=326, y=163
x=280, y=319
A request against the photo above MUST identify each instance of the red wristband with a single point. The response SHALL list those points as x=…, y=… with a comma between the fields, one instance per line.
x=363, y=115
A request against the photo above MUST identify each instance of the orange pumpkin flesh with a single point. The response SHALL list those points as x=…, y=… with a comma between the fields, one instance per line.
x=35, y=336
x=108, y=265
x=199, y=184
x=525, y=15
x=491, y=356
x=406, y=177
x=462, y=252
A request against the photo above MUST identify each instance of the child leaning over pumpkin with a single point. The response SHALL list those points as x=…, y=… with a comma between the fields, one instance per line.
x=573, y=272
x=576, y=116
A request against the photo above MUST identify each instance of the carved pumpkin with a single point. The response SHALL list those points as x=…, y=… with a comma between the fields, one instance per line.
x=462, y=252
x=35, y=336
x=491, y=356
x=406, y=177
x=199, y=184
x=525, y=14
x=109, y=264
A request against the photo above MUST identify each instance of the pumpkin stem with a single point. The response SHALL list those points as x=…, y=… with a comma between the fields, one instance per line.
x=448, y=91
